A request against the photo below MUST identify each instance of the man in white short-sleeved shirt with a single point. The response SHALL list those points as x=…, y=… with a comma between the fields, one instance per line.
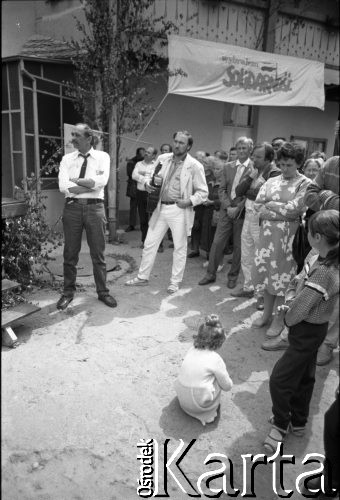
x=83, y=174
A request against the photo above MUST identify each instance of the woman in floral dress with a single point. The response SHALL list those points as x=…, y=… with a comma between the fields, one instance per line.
x=280, y=203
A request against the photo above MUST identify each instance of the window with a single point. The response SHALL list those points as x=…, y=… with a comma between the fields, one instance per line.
x=50, y=158
x=237, y=115
x=6, y=164
x=30, y=163
x=47, y=113
x=310, y=144
x=28, y=104
x=11, y=167
x=13, y=73
x=4, y=89
x=33, y=67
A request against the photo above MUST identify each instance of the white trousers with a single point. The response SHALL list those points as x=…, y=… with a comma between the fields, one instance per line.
x=249, y=239
x=170, y=216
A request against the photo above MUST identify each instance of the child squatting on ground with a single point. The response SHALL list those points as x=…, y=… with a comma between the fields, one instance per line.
x=309, y=302
x=203, y=374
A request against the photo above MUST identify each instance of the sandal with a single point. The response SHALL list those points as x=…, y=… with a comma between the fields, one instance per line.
x=297, y=430
x=275, y=436
x=255, y=323
x=273, y=332
x=137, y=282
x=173, y=288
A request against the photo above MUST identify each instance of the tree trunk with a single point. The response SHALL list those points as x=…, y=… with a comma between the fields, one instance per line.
x=112, y=184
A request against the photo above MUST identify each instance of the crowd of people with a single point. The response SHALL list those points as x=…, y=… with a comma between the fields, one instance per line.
x=251, y=203
x=254, y=205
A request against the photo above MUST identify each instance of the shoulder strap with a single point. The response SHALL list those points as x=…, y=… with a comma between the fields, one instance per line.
x=298, y=188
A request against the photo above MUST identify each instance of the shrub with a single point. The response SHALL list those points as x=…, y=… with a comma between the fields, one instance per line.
x=27, y=240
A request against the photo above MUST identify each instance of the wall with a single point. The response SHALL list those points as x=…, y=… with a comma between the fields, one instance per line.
x=17, y=24
x=21, y=19
x=57, y=20
x=306, y=122
x=201, y=117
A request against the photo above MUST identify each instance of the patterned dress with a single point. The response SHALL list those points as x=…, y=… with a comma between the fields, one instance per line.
x=280, y=203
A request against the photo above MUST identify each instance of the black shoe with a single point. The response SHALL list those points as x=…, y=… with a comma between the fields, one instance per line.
x=108, y=300
x=243, y=293
x=231, y=283
x=129, y=228
x=206, y=280
x=193, y=254
x=63, y=302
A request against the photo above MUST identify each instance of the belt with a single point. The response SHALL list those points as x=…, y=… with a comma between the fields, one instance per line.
x=84, y=201
x=168, y=202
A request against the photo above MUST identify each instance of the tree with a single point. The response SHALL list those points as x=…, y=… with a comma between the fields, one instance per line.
x=116, y=58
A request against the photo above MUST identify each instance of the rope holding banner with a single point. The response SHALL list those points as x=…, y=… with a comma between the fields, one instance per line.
x=149, y=121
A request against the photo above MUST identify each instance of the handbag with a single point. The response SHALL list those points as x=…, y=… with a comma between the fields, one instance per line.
x=300, y=246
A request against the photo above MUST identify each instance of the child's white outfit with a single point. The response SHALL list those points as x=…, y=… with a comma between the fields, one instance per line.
x=202, y=376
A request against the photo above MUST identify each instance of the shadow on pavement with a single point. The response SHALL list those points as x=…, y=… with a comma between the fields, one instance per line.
x=177, y=424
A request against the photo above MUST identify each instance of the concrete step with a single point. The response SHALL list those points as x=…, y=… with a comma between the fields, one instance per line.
x=7, y=285
x=20, y=311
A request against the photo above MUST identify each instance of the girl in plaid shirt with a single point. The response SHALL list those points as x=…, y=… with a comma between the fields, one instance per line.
x=310, y=300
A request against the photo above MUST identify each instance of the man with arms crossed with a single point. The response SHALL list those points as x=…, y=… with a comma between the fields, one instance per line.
x=83, y=175
x=264, y=168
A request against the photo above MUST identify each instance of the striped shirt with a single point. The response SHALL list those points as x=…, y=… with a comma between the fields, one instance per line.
x=317, y=290
x=323, y=192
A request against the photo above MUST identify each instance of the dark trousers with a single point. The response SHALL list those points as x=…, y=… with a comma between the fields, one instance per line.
x=142, y=202
x=331, y=435
x=196, y=231
x=77, y=217
x=133, y=212
x=225, y=228
x=292, y=380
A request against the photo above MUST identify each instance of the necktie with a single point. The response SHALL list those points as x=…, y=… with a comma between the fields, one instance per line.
x=84, y=165
x=236, y=180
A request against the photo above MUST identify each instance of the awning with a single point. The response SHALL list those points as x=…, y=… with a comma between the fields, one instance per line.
x=229, y=73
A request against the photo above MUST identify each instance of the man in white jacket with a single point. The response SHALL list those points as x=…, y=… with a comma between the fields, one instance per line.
x=183, y=187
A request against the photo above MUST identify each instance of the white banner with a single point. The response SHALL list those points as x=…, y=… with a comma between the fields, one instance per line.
x=230, y=73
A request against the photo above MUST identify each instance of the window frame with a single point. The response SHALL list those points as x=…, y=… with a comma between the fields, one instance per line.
x=307, y=143
x=27, y=82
